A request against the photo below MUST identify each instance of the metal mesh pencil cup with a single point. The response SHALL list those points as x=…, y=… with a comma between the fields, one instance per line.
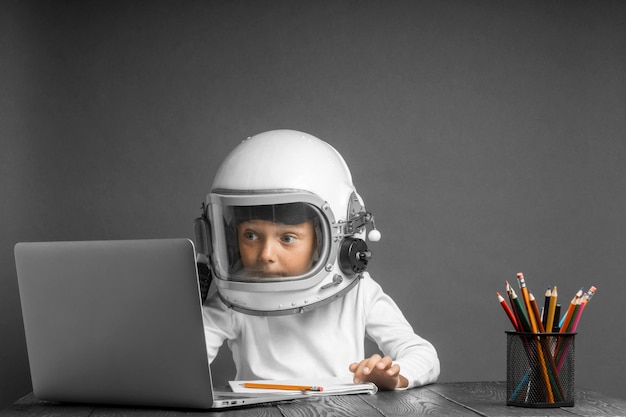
x=540, y=369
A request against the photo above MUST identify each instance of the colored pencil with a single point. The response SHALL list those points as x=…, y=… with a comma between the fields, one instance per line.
x=508, y=311
x=546, y=303
x=282, y=386
x=564, y=323
x=532, y=326
x=561, y=352
x=557, y=314
x=574, y=314
x=509, y=291
x=517, y=305
x=551, y=309
x=526, y=298
x=585, y=300
x=535, y=308
x=544, y=349
x=525, y=316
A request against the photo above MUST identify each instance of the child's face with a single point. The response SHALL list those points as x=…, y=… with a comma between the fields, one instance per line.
x=271, y=249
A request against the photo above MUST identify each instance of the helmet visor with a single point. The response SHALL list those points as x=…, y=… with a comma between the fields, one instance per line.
x=267, y=242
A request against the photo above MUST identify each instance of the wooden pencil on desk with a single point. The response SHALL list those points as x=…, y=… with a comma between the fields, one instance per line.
x=286, y=387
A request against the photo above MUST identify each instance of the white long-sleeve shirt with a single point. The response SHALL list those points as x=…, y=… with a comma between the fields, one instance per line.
x=322, y=342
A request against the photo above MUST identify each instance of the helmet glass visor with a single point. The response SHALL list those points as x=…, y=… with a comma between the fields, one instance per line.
x=267, y=242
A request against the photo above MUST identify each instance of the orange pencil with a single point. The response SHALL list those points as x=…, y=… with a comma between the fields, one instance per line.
x=533, y=326
x=526, y=298
x=570, y=312
x=282, y=386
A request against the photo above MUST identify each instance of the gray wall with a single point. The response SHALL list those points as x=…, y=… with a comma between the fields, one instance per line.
x=486, y=136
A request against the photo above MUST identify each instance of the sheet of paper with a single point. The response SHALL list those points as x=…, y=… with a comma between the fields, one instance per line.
x=331, y=386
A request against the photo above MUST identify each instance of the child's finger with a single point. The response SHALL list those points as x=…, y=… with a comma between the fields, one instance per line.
x=384, y=363
x=364, y=368
x=393, y=371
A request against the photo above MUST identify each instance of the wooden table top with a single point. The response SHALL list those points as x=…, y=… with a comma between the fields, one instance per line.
x=451, y=399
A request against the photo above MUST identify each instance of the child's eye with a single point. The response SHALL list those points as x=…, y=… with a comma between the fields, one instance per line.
x=289, y=238
x=250, y=235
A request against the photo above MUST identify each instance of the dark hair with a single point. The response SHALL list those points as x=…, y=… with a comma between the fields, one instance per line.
x=288, y=213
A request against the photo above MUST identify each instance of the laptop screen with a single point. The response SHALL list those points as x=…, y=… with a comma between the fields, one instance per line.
x=114, y=322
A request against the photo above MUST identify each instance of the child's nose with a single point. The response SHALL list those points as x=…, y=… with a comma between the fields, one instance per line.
x=268, y=251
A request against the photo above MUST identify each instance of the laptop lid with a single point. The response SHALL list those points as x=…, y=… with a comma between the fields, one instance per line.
x=116, y=322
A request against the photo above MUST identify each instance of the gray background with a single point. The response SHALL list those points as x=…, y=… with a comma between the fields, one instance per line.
x=487, y=137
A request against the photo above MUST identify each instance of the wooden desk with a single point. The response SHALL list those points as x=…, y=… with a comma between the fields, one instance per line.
x=450, y=399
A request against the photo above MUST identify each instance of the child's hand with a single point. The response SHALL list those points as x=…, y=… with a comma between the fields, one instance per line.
x=380, y=371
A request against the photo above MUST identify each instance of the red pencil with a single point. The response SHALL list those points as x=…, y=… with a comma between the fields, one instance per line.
x=509, y=292
x=508, y=311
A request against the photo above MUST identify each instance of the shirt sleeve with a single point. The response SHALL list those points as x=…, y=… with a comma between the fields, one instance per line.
x=394, y=335
x=219, y=324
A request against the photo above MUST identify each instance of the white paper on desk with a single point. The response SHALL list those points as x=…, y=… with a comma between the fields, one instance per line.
x=331, y=386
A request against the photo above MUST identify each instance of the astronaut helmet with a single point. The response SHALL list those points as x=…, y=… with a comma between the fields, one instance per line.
x=285, y=226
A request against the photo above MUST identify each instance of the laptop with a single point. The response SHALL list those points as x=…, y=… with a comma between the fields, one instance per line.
x=119, y=322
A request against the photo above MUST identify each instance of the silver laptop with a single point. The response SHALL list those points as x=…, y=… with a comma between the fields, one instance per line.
x=118, y=322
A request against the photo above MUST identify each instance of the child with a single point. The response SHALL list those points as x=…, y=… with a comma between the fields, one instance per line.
x=283, y=233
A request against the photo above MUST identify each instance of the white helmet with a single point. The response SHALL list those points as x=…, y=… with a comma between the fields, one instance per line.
x=283, y=178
